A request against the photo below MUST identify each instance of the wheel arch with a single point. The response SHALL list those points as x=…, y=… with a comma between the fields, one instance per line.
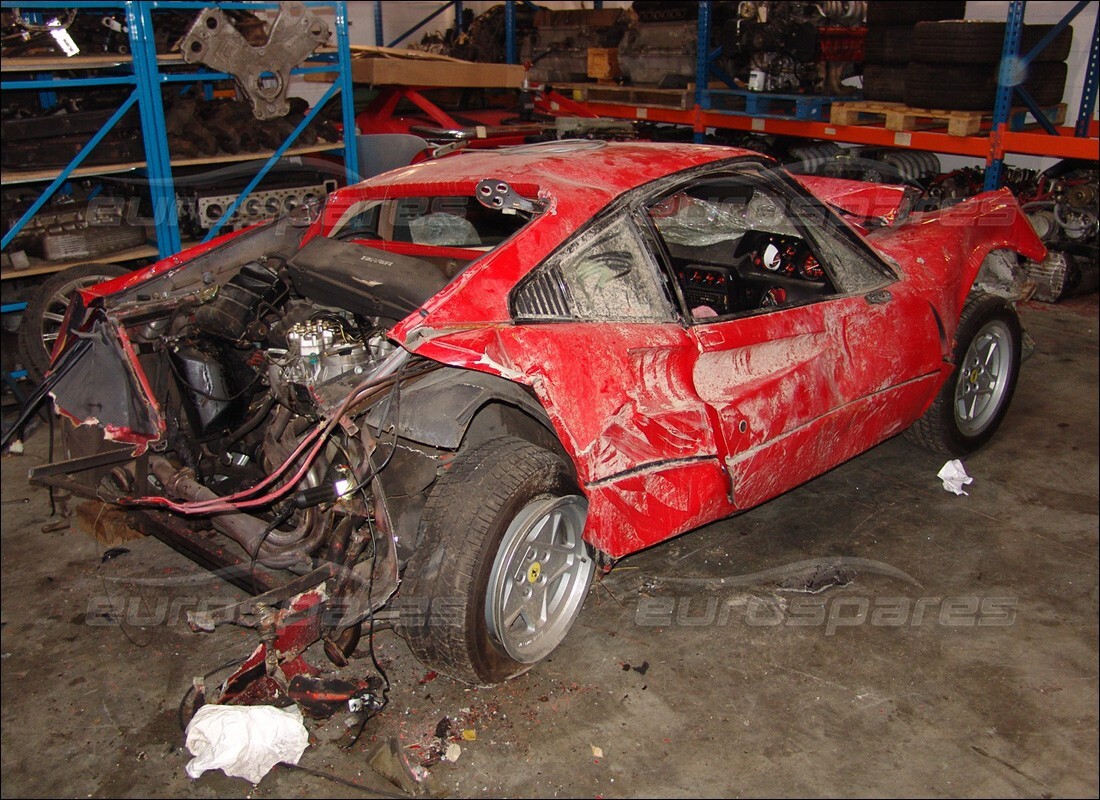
x=453, y=408
x=449, y=411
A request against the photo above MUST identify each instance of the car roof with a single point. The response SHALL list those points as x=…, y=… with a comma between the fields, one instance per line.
x=569, y=169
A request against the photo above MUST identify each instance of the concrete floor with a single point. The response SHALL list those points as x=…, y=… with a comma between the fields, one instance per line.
x=959, y=660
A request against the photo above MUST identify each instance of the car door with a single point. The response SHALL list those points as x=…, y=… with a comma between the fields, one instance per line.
x=597, y=336
x=808, y=350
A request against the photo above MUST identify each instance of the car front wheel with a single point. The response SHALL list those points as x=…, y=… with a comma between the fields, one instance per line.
x=973, y=402
x=501, y=571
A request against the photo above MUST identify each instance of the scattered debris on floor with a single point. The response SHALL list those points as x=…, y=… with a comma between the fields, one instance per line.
x=321, y=697
x=104, y=523
x=388, y=759
x=112, y=553
x=817, y=579
x=954, y=477
x=244, y=741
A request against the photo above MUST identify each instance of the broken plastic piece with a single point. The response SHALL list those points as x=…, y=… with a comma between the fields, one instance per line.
x=388, y=760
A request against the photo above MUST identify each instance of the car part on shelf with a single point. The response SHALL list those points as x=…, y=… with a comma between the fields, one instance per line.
x=558, y=47
x=262, y=73
x=784, y=44
x=50, y=137
x=98, y=31
x=200, y=209
x=198, y=127
x=64, y=231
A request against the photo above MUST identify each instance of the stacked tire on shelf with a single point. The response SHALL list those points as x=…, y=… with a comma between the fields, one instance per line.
x=887, y=47
x=954, y=65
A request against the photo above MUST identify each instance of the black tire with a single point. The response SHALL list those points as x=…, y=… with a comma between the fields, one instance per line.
x=973, y=87
x=907, y=12
x=469, y=519
x=884, y=82
x=967, y=42
x=943, y=429
x=888, y=44
x=43, y=316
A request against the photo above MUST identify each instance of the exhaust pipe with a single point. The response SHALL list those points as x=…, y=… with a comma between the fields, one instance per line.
x=244, y=529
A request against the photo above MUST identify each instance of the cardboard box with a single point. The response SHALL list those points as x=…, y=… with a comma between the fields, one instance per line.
x=603, y=63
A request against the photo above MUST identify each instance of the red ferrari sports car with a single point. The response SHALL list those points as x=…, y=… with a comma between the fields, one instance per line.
x=458, y=389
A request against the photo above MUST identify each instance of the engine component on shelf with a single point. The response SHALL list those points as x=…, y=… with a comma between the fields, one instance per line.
x=200, y=211
x=52, y=35
x=660, y=51
x=198, y=128
x=50, y=137
x=99, y=31
x=262, y=73
x=874, y=165
x=786, y=44
x=912, y=165
x=780, y=46
x=76, y=229
x=811, y=156
x=558, y=47
x=485, y=37
x=56, y=151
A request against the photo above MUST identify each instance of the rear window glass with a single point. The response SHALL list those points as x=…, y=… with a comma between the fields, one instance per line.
x=438, y=221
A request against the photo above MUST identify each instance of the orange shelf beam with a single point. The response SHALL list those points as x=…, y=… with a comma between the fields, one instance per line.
x=1066, y=145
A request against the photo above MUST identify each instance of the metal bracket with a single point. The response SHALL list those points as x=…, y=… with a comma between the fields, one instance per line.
x=262, y=73
x=499, y=196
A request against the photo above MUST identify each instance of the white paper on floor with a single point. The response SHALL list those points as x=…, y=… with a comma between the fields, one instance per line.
x=245, y=741
x=954, y=477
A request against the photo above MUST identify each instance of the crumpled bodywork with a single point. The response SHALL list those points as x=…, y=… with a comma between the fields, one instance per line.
x=941, y=252
x=882, y=204
x=672, y=414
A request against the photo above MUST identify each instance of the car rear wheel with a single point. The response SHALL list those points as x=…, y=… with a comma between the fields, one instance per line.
x=974, y=401
x=502, y=570
x=45, y=312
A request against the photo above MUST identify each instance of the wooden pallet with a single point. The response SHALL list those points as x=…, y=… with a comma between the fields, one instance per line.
x=630, y=95
x=774, y=105
x=900, y=117
x=733, y=101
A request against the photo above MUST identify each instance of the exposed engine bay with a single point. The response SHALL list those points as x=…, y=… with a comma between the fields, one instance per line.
x=267, y=407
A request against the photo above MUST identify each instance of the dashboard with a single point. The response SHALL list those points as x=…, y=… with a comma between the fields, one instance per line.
x=769, y=270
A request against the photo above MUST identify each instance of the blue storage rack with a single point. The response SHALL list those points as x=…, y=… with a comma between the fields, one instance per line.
x=142, y=70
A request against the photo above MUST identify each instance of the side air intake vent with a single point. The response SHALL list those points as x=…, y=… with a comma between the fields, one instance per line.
x=543, y=296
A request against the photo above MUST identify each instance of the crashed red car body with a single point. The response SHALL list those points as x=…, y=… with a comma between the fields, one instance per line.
x=538, y=360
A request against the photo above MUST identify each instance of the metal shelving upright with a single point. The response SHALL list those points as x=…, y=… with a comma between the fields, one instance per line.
x=142, y=69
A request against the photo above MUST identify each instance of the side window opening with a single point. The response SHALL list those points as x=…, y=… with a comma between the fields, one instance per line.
x=739, y=246
x=607, y=273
